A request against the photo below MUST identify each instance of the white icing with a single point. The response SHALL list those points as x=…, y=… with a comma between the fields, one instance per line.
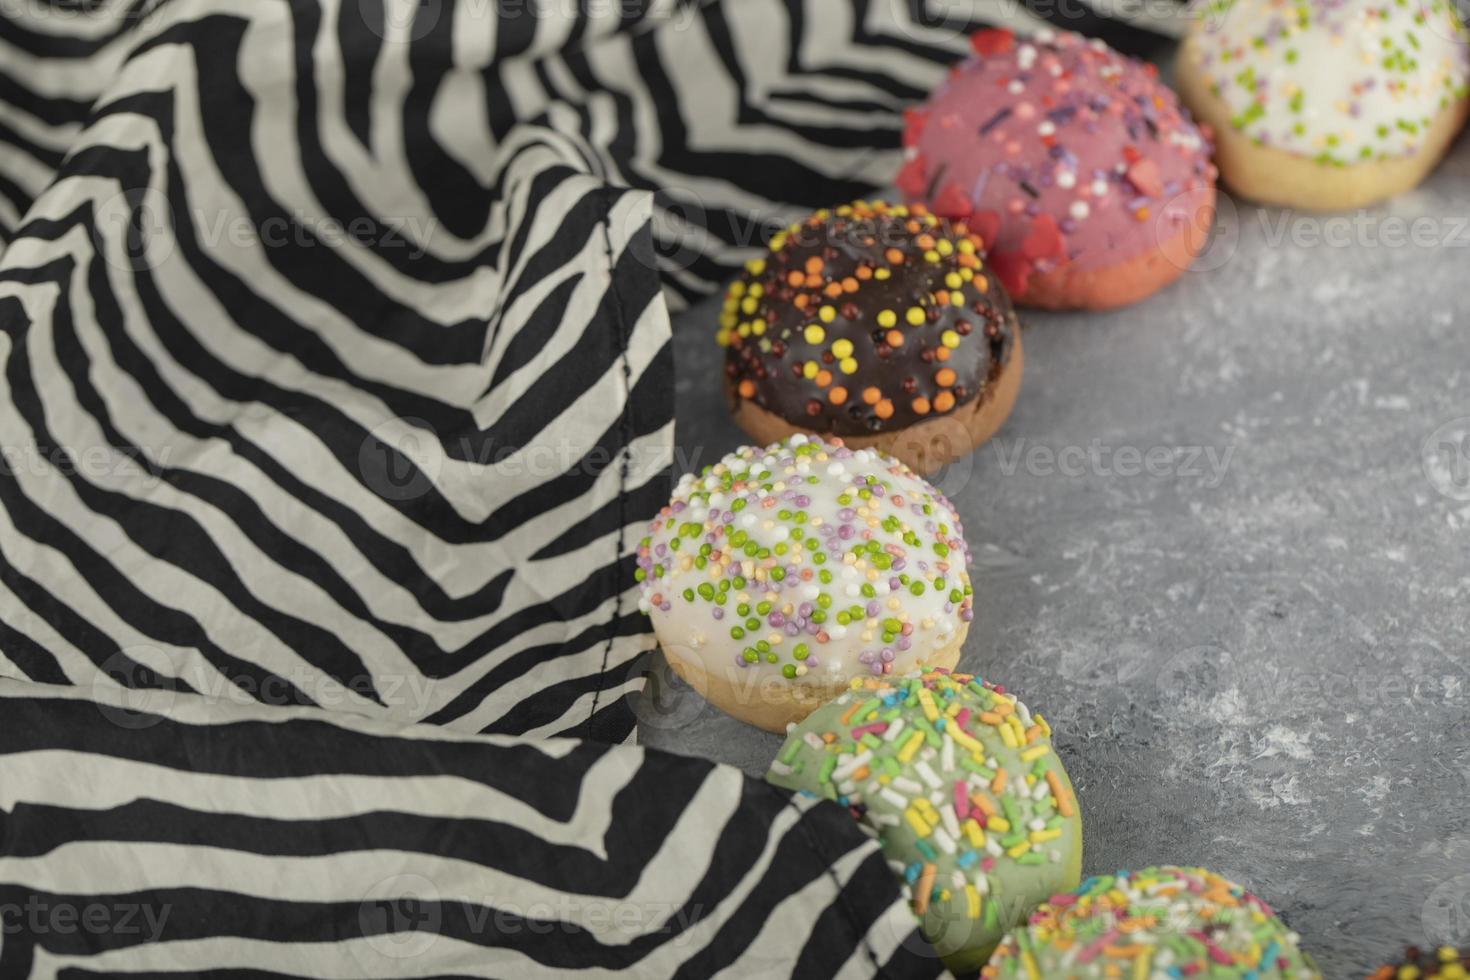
x=934, y=558
x=1346, y=81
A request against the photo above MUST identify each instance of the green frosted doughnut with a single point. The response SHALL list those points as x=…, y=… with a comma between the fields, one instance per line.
x=1155, y=924
x=961, y=785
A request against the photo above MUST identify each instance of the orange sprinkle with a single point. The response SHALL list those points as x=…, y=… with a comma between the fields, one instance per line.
x=794, y=277
x=894, y=338
x=968, y=261
x=944, y=377
x=983, y=804
x=1060, y=794
x=861, y=772
x=921, y=405
x=800, y=301
x=883, y=409
x=824, y=378
x=814, y=265
x=941, y=354
x=747, y=388
x=850, y=284
x=923, y=887
x=863, y=272
x=833, y=289
x=837, y=395
x=920, y=209
x=894, y=256
x=850, y=712
x=813, y=280
x=942, y=297
x=998, y=784
x=871, y=395
x=982, y=284
x=925, y=241
x=989, y=717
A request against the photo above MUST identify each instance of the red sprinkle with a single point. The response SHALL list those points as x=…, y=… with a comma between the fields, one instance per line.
x=995, y=41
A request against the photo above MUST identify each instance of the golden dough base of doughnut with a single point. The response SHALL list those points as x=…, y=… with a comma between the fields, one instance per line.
x=925, y=446
x=772, y=702
x=1269, y=175
x=1070, y=288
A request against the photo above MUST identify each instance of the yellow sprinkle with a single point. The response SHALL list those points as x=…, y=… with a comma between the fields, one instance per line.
x=755, y=266
x=815, y=334
x=1041, y=722
x=848, y=365
x=972, y=902
x=1142, y=963
x=881, y=273
x=1028, y=960
x=1019, y=849
x=887, y=318
x=966, y=246
x=1034, y=753
x=917, y=822
x=915, y=316
x=926, y=701
x=827, y=314
x=809, y=369
x=945, y=246
x=963, y=738
x=842, y=347
x=950, y=339
x=973, y=833
x=911, y=747
x=1042, y=836
x=999, y=824
x=1008, y=736
x=748, y=305
x=931, y=256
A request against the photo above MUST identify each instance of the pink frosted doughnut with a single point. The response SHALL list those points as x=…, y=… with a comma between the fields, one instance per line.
x=1078, y=166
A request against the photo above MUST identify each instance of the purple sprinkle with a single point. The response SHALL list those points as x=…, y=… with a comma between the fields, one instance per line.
x=873, y=607
x=904, y=643
x=776, y=619
x=717, y=612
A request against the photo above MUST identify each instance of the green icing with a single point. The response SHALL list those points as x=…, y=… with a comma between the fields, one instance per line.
x=895, y=749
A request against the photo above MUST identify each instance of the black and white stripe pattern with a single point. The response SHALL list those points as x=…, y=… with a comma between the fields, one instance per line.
x=297, y=842
x=338, y=387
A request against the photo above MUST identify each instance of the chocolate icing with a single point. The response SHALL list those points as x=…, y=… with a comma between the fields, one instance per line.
x=847, y=273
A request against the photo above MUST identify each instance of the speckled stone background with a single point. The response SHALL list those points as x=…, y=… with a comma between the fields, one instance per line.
x=1223, y=544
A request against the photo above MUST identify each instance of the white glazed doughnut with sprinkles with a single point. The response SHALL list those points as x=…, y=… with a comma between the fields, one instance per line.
x=1327, y=103
x=779, y=574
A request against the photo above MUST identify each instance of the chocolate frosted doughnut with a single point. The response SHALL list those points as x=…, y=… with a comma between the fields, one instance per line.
x=1090, y=185
x=876, y=323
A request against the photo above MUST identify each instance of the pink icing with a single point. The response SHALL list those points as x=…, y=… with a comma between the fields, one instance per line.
x=1057, y=149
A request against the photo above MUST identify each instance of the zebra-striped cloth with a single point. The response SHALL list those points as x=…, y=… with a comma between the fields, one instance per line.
x=338, y=380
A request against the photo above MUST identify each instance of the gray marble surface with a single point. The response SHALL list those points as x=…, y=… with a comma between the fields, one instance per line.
x=1256, y=650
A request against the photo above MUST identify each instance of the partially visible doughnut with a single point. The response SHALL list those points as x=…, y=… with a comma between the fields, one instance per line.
x=1327, y=104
